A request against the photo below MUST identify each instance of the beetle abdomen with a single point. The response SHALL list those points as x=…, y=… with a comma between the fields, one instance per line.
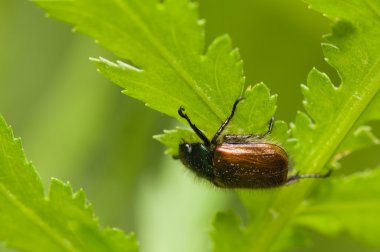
x=249, y=165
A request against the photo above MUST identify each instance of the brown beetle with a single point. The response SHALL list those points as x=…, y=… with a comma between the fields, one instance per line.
x=239, y=161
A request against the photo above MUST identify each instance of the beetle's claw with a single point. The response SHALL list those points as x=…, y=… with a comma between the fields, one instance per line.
x=180, y=112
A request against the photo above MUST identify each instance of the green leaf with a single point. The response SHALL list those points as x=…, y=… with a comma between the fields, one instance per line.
x=228, y=233
x=351, y=203
x=254, y=111
x=339, y=205
x=62, y=221
x=360, y=136
x=165, y=65
x=353, y=49
x=372, y=111
x=171, y=138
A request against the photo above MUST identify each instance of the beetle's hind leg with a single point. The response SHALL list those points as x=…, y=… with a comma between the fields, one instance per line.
x=270, y=128
x=295, y=178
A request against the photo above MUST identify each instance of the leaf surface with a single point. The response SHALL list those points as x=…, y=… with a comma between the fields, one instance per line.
x=166, y=65
x=333, y=126
x=334, y=111
x=351, y=203
x=61, y=221
x=165, y=62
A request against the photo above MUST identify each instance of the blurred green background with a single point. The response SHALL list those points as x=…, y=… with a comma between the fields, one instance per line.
x=77, y=126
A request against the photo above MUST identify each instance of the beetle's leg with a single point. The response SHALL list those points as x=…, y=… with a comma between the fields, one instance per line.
x=270, y=127
x=196, y=130
x=225, y=123
x=296, y=177
x=236, y=138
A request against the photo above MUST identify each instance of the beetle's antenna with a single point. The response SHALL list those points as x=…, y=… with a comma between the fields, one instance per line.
x=297, y=177
x=224, y=125
x=196, y=130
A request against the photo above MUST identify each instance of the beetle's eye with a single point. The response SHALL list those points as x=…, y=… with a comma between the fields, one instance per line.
x=188, y=148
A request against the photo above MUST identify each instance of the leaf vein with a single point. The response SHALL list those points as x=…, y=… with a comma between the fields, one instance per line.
x=171, y=60
x=34, y=218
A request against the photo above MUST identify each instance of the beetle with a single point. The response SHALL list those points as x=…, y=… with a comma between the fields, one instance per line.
x=238, y=161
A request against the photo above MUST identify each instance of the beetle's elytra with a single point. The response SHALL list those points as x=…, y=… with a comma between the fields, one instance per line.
x=238, y=161
x=249, y=165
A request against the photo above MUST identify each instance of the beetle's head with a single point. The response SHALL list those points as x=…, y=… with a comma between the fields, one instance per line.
x=198, y=158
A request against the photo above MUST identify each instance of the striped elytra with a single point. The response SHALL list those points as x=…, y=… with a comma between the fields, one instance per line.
x=249, y=165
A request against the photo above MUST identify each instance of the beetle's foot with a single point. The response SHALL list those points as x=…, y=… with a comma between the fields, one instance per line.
x=293, y=179
x=181, y=112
